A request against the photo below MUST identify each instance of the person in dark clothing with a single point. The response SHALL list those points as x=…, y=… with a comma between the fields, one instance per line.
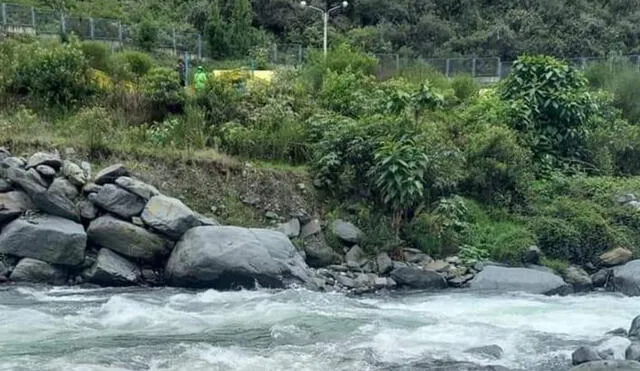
x=182, y=72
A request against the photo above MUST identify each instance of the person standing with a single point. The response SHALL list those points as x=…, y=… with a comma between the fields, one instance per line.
x=181, y=68
x=200, y=79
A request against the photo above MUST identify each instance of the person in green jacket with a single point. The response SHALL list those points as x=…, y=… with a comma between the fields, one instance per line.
x=200, y=78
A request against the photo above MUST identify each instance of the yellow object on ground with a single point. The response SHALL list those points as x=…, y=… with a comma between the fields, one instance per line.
x=237, y=75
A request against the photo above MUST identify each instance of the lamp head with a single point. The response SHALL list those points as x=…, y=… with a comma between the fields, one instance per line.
x=303, y=4
x=345, y=4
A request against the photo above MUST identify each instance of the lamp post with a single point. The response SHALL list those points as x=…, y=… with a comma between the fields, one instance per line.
x=325, y=18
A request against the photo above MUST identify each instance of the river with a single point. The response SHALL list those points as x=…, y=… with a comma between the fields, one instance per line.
x=169, y=329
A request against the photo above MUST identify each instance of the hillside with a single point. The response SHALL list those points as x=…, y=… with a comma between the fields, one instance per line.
x=503, y=28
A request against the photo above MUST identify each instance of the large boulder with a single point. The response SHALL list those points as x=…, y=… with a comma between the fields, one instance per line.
x=578, y=278
x=532, y=255
x=110, y=174
x=310, y=229
x=5, y=186
x=43, y=158
x=137, y=187
x=127, y=239
x=632, y=353
x=46, y=237
x=58, y=200
x=118, y=201
x=502, y=279
x=169, y=216
x=608, y=366
x=345, y=231
x=634, y=330
x=74, y=173
x=384, y=264
x=584, y=355
x=111, y=269
x=37, y=271
x=355, y=257
x=421, y=279
x=30, y=181
x=230, y=257
x=318, y=253
x=291, y=228
x=65, y=188
x=615, y=257
x=12, y=205
x=626, y=278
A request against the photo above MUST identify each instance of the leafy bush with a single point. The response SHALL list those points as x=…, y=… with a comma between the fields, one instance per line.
x=130, y=65
x=498, y=168
x=338, y=60
x=623, y=82
x=146, y=35
x=162, y=87
x=221, y=101
x=348, y=92
x=464, y=87
x=97, y=54
x=93, y=126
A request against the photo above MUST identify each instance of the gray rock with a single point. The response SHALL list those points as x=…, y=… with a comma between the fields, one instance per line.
x=42, y=158
x=12, y=205
x=64, y=187
x=271, y=215
x=86, y=168
x=291, y=228
x=346, y=231
x=438, y=266
x=615, y=257
x=501, y=279
x=10, y=162
x=418, y=278
x=380, y=282
x=228, y=257
x=618, y=332
x=4, y=269
x=111, y=269
x=118, y=201
x=127, y=239
x=384, y=264
x=48, y=238
x=29, y=181
x=632, y=353
x=110, y=174
x=88, y=210
x=532, y=255
x=489, y=351
x=577, y=277
x=4, y=153
x=74, y=173
x=460, y=281
x=311, y=228
x=5, y=186
x=302, y=216
x=584, y=355
x=56, y=204
x=347, y=282
x=634, y=330
x=37, y=271
x=46, y=171
x=137, y=187
x=608, y=366
x=356, y=256
x=625, y=198
x=206, y=221
x=626, y=278
x=416, y=256
x=601, y=277
x=169, y=216
x=153, y=277
x=91, y=188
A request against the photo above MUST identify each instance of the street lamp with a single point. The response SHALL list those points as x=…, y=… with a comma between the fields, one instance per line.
x=325, y=18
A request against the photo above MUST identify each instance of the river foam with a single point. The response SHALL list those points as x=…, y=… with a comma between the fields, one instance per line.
x=168, y=329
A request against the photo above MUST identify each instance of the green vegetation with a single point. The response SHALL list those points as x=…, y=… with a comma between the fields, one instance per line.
x=426, y=162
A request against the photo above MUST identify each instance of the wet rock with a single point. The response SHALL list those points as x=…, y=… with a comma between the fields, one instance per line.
x=318, y=253
x=418, y=278
x=290, y=229
x=608, y=366
x=634, y=330
x=127, y=239
x=618, y=332
x=489, y=351
x=118, y=201
x=169, y=216
x=384, y=264
x=46, y=171
x=74, y=173
x=45, y=237
x=153, y=277
x=577, y=277
x=584, y=355
x=460, y=281
x=29, y=181
x=613, y=348
x=42, y=158
x=312, y=228
x=532, y=255
x=110, y=174
x=626, y=278
x=632, y=353
x=601, y=277
x=230, y=257
x=345, y=231
x=615, y=257
x=37, y=271
x=356, y=256
x=347, y=282
x=111, y=269
x=137, y=187
x=12, y=205
x=501, y=279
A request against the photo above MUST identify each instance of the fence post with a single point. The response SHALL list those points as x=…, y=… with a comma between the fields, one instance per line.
x=397, y=63
x=300, y=54
x=473, y=67
x=200, y=46
x=91, y=28
x=33, y=20
x=499, y=69
x=175, y=44
x=4, y=14
x=275, y=53
x=447, y=67
x=63, y=26
x=120, y=34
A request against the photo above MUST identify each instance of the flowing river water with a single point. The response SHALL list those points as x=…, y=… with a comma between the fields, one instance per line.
x=168, y=329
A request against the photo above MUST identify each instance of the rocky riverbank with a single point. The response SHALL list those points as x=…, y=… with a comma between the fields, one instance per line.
x=63, y=225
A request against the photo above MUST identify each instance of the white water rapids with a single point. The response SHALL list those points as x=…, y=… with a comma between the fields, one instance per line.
x=168, y=329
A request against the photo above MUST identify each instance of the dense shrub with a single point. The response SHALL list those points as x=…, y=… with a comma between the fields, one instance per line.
x=129, y=65
x=623, y=81
x=464, y=87
x=97, y=54
x=221, y=101
x=162, y=88
x=348, y=93
x=338, y=60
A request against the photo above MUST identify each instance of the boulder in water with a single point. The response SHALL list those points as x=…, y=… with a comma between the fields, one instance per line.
x=489, y=351
x=608, y=366
x=230, y=257
x=45, y=237
x=578, y=278
x=420, y=279
x=584, y=355
x=169, y=216
x=633, y=352
x=634, y=331
x=384, y=264
x=501, y=279
x=37, y=271
x=626, y=278
x=111, y=269
x=613, y=348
